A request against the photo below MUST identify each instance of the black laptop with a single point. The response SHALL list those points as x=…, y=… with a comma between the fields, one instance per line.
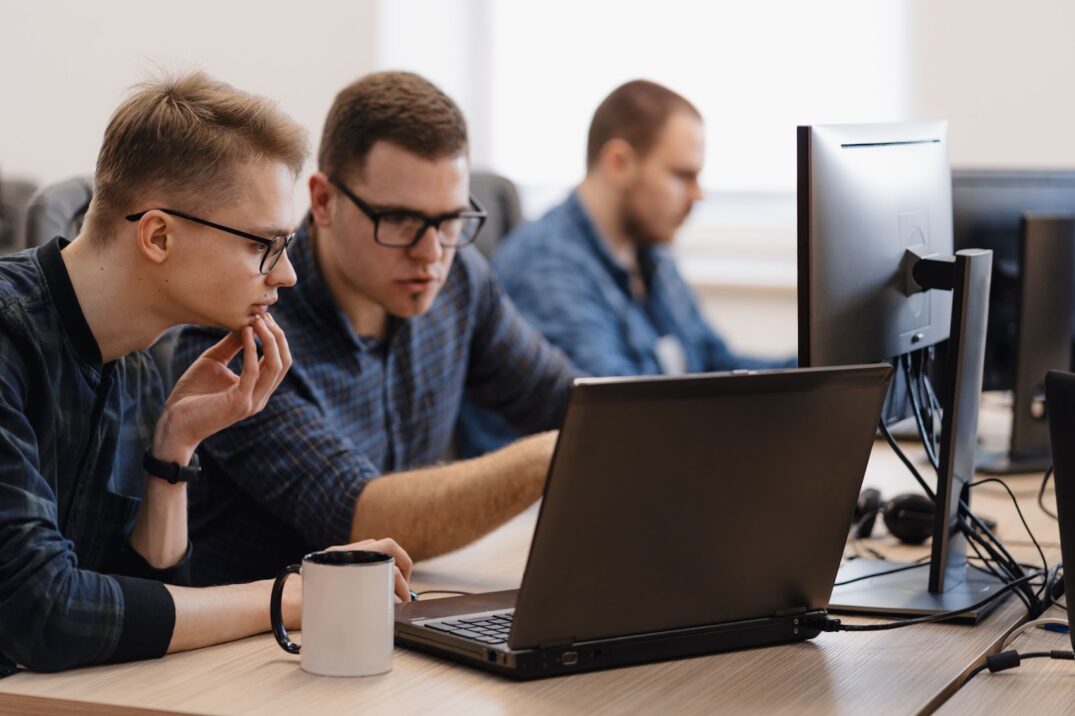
x=1060, y=399
x=681, y=516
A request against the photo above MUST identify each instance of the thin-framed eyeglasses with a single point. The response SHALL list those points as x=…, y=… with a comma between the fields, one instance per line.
x=403, y=228
x=274, y=247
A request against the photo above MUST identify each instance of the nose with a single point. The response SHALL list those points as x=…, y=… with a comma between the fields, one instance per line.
x=428, y=248
x=695, y=191
x=283, y=273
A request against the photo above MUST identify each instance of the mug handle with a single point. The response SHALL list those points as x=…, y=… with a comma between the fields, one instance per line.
x=276, y=615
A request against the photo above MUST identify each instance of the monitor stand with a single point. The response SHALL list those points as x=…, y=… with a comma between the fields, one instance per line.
x=906, y=593
x=948, y=583
x=1046, y=291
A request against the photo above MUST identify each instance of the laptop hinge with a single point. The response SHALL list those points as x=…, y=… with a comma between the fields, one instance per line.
x=794, y=611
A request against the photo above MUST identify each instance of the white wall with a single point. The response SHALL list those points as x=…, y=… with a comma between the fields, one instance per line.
x=66, y=65
x=1003, y=73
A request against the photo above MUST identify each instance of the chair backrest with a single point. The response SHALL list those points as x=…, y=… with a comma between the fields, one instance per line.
x=501, y=200
x=15, y=195
x=58, y=210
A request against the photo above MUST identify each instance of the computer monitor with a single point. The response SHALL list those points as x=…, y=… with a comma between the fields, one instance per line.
x=878, y=281
x=1020, y=215
x=988, y=206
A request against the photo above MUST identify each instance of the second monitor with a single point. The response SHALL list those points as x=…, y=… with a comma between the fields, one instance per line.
x=878, y=281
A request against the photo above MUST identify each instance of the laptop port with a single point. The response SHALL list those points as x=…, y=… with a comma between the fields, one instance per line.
x=569, y=658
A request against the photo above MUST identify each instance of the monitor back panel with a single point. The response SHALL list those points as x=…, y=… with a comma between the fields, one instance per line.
x=866, y=194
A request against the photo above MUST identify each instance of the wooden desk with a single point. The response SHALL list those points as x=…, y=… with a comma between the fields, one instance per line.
x=902, y=671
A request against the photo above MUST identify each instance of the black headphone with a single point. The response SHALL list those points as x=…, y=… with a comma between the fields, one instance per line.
x=908, y=517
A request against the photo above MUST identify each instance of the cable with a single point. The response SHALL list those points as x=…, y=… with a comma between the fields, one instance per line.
x=1015, y=632
x=906, y=461
x=1041, y=493
x=916, y=411
x=1010, y=659
x=1018, y=511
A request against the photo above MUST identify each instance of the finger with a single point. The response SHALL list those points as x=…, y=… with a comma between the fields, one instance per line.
x=226, y=348
x=403, y=590
x=283, y=348
x=249, y=377
x=390, y=546
x=282, y=345
x=269, y=367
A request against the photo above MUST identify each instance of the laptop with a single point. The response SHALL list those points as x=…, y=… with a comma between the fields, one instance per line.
x=681, y=516
x=1060, y=399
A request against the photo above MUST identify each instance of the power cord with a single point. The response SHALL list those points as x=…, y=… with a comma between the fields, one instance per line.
x=1010, y=659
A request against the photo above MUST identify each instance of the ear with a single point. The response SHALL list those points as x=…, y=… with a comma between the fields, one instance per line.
x=322, y=198
x=153, y=236
x=619, y=162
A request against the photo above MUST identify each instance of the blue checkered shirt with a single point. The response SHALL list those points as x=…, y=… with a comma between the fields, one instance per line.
x=285, y=481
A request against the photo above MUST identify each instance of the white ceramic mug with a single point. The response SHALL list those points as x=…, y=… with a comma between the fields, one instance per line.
x=347, y=612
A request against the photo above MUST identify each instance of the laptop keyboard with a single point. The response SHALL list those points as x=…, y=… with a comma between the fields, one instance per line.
x=484, y=628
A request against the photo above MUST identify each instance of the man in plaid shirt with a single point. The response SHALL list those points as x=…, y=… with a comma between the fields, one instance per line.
x=393, y=318
x=188, y=223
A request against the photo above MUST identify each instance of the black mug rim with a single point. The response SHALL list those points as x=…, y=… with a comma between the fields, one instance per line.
x=348, y=558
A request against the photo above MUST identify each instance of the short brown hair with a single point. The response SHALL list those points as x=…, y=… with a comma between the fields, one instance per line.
x=183, y=136
x=635, y=112
x=398, y=107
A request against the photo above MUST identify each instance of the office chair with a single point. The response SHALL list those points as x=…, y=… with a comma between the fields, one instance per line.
x=15, y=196
x=500, y=199
x=58, y=210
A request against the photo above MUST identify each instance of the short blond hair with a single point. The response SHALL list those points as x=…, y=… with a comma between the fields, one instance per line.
x=183, y=136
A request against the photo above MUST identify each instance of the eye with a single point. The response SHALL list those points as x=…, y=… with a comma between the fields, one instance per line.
x=259, y=248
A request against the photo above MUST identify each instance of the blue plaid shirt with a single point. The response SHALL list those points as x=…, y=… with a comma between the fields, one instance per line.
x=285, y=481
x=72, y=434
x=563, y=279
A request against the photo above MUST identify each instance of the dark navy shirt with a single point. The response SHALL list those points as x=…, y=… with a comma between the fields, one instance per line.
x=285, y=481
x=72, y=434
x=564, y=280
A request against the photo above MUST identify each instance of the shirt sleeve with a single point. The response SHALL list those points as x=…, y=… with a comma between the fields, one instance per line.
x=54, y=615
x=295, y=463
x=513, y=369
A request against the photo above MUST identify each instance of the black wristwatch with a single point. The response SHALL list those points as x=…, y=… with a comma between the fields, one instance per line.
x=171, y=471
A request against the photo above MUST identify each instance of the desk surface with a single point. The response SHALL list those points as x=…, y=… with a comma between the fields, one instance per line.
x=906, y=670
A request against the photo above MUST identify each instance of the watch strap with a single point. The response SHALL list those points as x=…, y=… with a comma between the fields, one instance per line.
x=171, y=471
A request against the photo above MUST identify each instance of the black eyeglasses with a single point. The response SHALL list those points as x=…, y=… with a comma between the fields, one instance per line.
x=274, y=247
x=402, y=228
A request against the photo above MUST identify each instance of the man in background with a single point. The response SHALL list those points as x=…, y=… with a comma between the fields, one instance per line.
x=595, y=275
